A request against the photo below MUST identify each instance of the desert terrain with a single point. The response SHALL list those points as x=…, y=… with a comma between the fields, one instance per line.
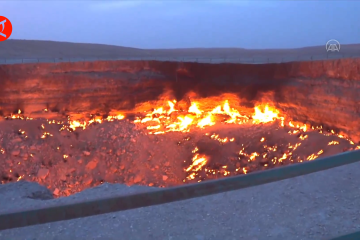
x=46, y=51
x=76, y=131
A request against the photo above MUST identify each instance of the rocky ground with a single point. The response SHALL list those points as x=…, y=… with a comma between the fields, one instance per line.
x=41, y=165
x=123, y=152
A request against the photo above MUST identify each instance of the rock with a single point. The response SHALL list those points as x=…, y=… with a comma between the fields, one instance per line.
x=118, y=152
x=63, y=178
x=130, y=180
x=63, y=133
x=87, y=180
x=137, y=179
x=92, y=164
x=15, y=153
x=67, y=191
x=25, y=156
x=33, y=147
x=164, y=177
x=56, y=192
x=264, y=161
x=244, y=162
x=16, y=140
x=43, y=173
x=86, y=153
x=9, y=162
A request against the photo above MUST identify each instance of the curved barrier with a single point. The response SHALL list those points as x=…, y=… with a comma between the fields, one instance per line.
x=28, y=217
x=351, y=236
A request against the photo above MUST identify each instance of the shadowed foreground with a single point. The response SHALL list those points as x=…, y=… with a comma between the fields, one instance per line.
x=292, y=209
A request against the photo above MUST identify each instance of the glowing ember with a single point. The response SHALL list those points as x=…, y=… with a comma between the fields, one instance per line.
x=252, y=148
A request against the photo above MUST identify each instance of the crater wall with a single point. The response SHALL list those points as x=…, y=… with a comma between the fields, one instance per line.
x=321, y=92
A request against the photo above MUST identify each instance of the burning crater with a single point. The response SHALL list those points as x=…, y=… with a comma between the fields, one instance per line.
x=160, y=124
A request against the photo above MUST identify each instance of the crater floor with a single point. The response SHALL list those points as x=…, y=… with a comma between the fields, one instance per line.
x=123, y=152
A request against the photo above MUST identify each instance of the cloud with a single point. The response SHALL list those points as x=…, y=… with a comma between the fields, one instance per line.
x=111, y=5
x=245, y=3
x=227, y=2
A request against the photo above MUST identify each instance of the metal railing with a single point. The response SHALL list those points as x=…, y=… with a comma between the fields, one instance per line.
x=60, y=212
x=213, y=59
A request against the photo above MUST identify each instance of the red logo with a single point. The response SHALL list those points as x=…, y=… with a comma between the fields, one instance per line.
x=5, y=28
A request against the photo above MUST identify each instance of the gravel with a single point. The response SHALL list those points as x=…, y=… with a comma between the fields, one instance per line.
x=317, y=206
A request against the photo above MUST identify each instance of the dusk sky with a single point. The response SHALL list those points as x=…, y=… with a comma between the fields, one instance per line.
x=186, y=24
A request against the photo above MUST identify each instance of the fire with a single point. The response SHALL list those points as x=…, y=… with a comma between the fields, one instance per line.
x=314, y=155
x=265, y=114
x=194, y=109
x=207, y=121
x=160, y=120
x=182, y=125
x=333, y=143
x=221, y=140
x=198, y=161
x=74, y=124
x=226, y=110
x=200, y=115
